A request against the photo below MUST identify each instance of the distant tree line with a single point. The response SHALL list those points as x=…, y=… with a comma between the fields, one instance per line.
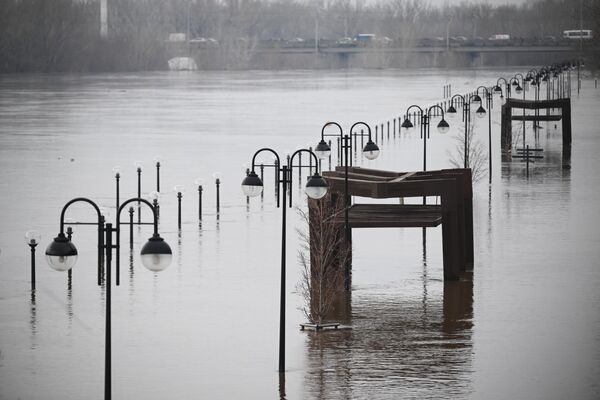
x=64, y=35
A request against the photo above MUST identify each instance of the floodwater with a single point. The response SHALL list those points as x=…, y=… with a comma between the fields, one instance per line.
x=527, y=326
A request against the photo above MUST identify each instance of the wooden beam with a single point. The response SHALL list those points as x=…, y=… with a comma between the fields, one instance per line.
x=533, y=104
x=393, y=216
x=536, y=118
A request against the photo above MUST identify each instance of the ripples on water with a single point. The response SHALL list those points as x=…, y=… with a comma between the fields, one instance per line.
x=527, y=327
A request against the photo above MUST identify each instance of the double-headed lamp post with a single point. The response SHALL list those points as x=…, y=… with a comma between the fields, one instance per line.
x=316, y=188
x=426, y=115
x=370, y=151
x=480, y=112
x=488, y=97
x=61, y=255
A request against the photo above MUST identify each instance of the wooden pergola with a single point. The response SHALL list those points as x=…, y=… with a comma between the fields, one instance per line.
x=507, y=117
x=455, y=212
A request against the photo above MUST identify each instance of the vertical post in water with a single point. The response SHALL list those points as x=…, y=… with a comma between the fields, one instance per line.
x=179, y=196
x=218, y=184
x=131, y=227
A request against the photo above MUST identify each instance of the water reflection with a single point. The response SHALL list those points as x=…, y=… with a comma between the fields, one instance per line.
x=33, y=321
x=424, y=275
x=281, y=386
x=397, y=344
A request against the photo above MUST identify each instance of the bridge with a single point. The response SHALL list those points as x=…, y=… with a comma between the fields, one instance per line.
x=424, y=49
x=302, y=55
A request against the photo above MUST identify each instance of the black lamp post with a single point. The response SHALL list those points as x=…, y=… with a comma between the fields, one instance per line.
x=516, y=82
x=316, y=188
x=117, y=172
x=61, y=255
x=480, y=112
x=323, y=150
x=217, y=176
x=157, y=161
x=32, y=238
x=533, y=78
x=425, y=116
x=199, y=182
x=179, y=189
x=138, y=166
x=488, y=97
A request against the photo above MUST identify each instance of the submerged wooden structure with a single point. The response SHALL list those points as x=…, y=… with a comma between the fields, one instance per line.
x=454, y=213
x=507, y=117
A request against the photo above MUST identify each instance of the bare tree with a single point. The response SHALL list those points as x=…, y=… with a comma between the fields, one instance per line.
x=323, y=256
x=476, y=151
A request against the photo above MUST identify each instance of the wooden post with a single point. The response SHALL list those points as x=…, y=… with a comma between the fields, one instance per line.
x=506, y=127
x=566, y=122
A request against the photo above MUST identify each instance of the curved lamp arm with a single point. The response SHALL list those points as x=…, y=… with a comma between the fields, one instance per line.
x=331, y=123
x=299, y=151
x=360, y=123
x=434, y=107
x=501, y=79
x=76, y=200
x=138, y=200
x=485, y=89
x=265, y=149
x=518, y=74
x=457, y=96
x=414, y=106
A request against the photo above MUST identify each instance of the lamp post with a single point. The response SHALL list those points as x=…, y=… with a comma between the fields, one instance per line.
x=32, y=238
x=316, y=188
x=425, y=115
x=532, y=78
x=514, y=81
x=61, y=255
x=155, y=197
x=138, y=166
x=117, y=171
x=179, y=189
x=199, y=182
x=480, y=112
x=157, y=161
x=323, y=150
x=488, y=97
x=217, y=176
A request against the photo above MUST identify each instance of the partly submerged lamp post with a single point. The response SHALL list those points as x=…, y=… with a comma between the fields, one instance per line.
x=117, y=172
x=316, y=188
x=32, y=239
x=323, y=150
x=138, y=166
x=425, y=115
x=179, y=189
x=157, y=161
x=199, y=182
x=488, y=97
x=480, y=112
x=514, y=81
x=61, y=255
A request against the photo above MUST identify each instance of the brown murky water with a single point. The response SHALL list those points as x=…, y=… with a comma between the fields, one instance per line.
x=528, y=326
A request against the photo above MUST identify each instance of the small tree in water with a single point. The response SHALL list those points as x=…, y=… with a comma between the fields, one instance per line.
x=322, y=259
x=476, y=151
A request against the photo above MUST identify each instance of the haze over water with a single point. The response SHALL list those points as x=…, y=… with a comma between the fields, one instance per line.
x=528, y=326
